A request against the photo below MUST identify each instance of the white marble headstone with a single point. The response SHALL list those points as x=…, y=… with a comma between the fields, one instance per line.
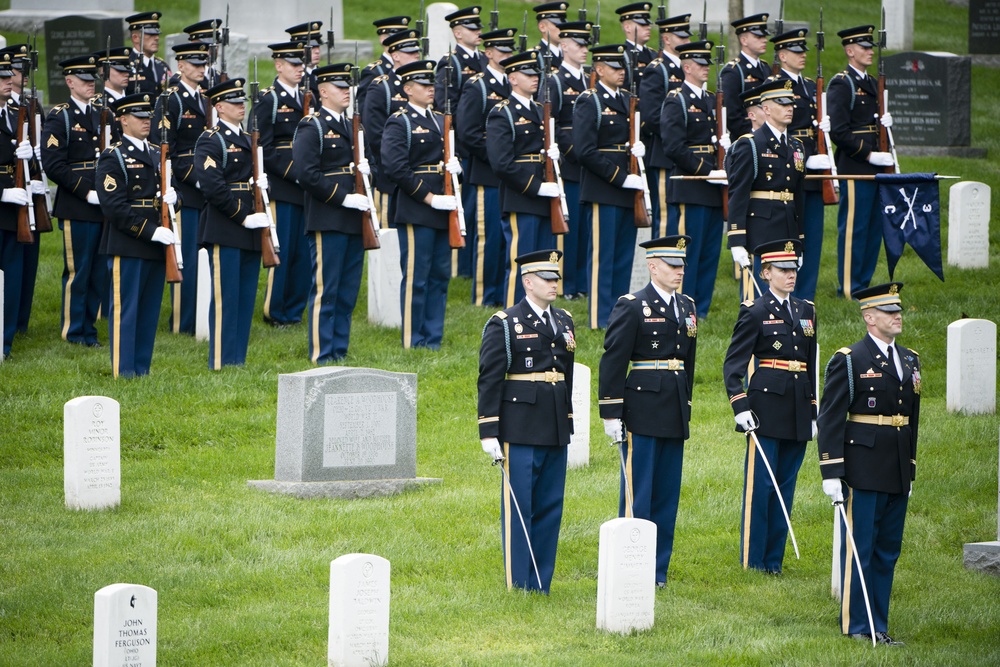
x=640, y=271
x=359, y=611
x=125, y=626
x=384, y=278
x=969, y=225
x=972, y=366
x=440, y=37
x=92, y=468
x=579, y=444
x=626, y=575
x=1, y=312
x=204, y=297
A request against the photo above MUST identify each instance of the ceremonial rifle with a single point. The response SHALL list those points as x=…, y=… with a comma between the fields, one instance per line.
x=42, y=202
x=720, y=117
x=213, y=53
x=779, y=28
x=643, y=209
x=425, y=41
x=830, y=194
x=581, y=14
x=174, y=261
x=307, y=91
x=329, y=40
x=522, y=39
x=456, y=217
x=22, y=173
x=137, y=63
x=223, y=74
x=495, y=16
x=885, y=143
x=105, y=107
x=268, y=235
x=661, y=12
x=558, y=207
x=369, y=218
x=595, y=34
x=703, y=26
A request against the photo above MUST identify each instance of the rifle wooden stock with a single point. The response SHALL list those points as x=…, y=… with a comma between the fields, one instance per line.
x=556, y=217
x=720, y=129
x=173, y=271
x=455, y=238
x=369, y=235
x=883, y=133
x=43, y=220
x=830, y=195
x=307, y=97
x=269, y=257
x=24, y=232
x=640, y=215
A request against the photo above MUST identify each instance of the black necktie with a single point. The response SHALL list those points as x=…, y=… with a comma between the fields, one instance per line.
x=6, y=119
x=784, y=144
x=892, y=361
x=788, y=309
x=545, y=318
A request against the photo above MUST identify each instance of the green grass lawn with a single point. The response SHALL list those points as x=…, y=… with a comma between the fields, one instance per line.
x=243, y=576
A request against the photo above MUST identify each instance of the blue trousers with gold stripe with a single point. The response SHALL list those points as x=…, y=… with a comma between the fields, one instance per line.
x=576, y=244
x=612, y=248
x=489, y=247
x=704, y=225
x=288, y=283
x=134, y=296
x=12, y=265
x=859, y=235
x=337, y=260
x=84, y=280
x=812, y=246
x=538, y=482
x=230, y=310
x=523, y=233
x=877, y=523
x=651, y=479
x=29, y=274
x=425, y=260
x=763, y=530
x=184, y=295
x=657, y=180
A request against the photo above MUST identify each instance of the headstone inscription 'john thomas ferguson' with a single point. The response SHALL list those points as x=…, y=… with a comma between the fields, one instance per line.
x=125, y=626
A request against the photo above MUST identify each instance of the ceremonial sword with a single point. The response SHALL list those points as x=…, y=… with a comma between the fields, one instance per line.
x=524, y=527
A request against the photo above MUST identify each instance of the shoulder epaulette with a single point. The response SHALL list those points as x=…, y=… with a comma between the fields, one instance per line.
x=440, y=113
x=372, y=65
x=475, y=77
x=654, y=62
x=915, y=352
x=400, y=112
x=747, y=303
x=734, y=61
x=674, y=93
x=314, y=114
x=630, y=297
x=61, y=107
x=808, y=79
x=500, y=314
x=214, y=129
x=503, y=103
x=809, y=302
x=688, y=297
x=570, y=315
x=840, y=74
x=115, y=145
x=844, y=350
x=173, y=89
x=748, y=135
x=381, y=78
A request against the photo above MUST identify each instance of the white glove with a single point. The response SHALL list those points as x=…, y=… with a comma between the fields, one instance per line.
x=256, y=221
x=38, y=188
x=746, y=421
x=364, y=167
x=554, y=153
x=740, y=256
x=24, y=151
x=170, y=197
x=800, y=260
x=818, y=162
x=444, y=202
x=886, y=119
x=815, y=429
x=17, y=196
x=492, y=447
x=92, y=198
x=548, y=190
x=824, y=124
x=880, y=159
x=613, y=429
x=164, y=236
x=725, y=142
x=718, y=177
x=262, y=182
x=453, y=166
x=639, y=149
x=834, y=489
x=634, y=182
x=910, y=494
x=38, y=153
x=359, y=202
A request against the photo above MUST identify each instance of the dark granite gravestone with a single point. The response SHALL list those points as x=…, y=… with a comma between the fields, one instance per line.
x=71, y=36
x=984, y=26
x=930, y=99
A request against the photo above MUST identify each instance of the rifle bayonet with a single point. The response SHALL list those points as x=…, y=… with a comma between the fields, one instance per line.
x=495, y=16
x=703, y=26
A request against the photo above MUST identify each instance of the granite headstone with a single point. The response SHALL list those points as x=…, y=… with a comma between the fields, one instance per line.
x=92, y=467
x=972, y=367
x=71, y=36
x=984, y=26
x=985, y=556
x=626, y=575
x=359, y=611
x=930, y=98
x=969, y=225
x=578, y=454
x=1, y=311
x=125, y=626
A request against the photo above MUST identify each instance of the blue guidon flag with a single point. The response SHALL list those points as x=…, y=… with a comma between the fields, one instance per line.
x=911, y=213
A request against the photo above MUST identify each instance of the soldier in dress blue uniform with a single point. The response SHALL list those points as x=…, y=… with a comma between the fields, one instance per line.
x=868, y=454
x=565, y=86
x=550, y=17
x=745, y=71
x=790, y=49
x=279, y=111
x=687, y=128
x=661, y=76
x=323, y=162
x=385, y=97
x=481, y=196
x=601, y=140
x=779, y=403
x=114, y=69
x=229, y=228
x=179, y=121
x=413, y=159
x=852, y=97
x=515, y=144
x=467, y=28
x=526, y=417
x=203, y=32
x=383, y=28
x=637, y=26
x=128, y=179
x=645, y=388
x=70, y=146
x=311, y=35
x=151, y=74
x=766, y=178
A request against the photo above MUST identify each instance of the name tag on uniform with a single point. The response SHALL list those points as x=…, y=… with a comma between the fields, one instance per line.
x=871, y=375
x=773, y=322
x=773, y=156
x=534, y=335
x=655, y=319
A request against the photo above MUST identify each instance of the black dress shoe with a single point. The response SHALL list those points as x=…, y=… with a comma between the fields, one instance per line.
x=862, y=637
x=661, y=584
x=93, y=343
x=884, y=638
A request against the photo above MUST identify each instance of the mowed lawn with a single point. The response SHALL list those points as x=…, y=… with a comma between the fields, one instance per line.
x=243, y=576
